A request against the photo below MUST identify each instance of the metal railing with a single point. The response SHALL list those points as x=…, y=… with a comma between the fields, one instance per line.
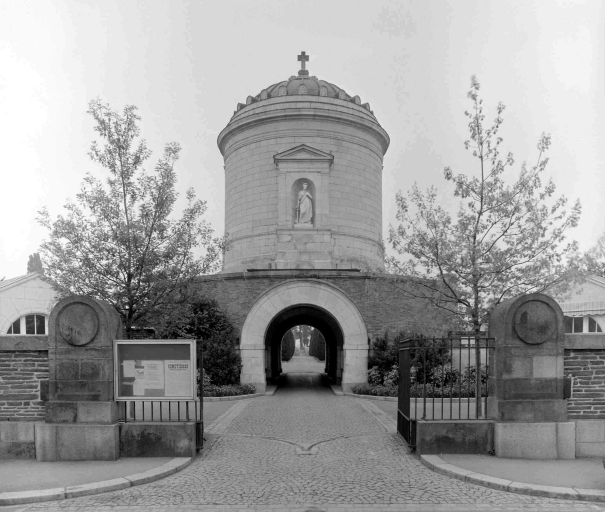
x=161, y=411
x=438, y=380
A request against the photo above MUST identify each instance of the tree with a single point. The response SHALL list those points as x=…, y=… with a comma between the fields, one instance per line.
x=288, y=346
x=506, y=239
x=35, y=264
x=118, y=241
x=593, y=261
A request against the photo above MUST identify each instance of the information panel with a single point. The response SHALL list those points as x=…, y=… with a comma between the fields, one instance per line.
x=155, y=370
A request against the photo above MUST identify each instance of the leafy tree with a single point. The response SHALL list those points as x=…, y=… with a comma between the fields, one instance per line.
x=317, y=345
x=505, y=240
x=118, y=241
x=593, y=261
x=202, y=319
x=35, y=264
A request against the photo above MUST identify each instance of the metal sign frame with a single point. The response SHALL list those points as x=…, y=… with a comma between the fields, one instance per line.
x=117, y=365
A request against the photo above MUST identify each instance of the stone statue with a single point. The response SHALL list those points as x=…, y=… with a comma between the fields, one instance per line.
x=304, y=207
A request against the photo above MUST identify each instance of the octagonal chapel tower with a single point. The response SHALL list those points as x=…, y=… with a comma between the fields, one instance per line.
x=303, y=174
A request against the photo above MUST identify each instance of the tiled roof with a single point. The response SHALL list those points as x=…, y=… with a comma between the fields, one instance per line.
x=9, y=283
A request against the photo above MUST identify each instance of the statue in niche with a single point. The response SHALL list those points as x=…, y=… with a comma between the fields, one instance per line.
x=304, y=207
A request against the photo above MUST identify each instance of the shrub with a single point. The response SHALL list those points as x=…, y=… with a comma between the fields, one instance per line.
x=233, y=390
x=391, y=378
x=385, y=354
x=221, y=361
x=288, y=346
x=368, y=389
x=375, y=376
x=317, y=345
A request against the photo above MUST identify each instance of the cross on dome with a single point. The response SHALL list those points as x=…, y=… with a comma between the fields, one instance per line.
x=302, y=58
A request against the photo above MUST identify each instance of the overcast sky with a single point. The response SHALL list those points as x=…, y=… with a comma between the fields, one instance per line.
x=186, y=65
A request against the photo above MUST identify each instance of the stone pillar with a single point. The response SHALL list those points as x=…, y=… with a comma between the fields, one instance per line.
x=527, y=380
x=81, y=414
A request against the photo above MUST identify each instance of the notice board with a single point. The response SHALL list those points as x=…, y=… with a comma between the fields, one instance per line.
x=155, y=370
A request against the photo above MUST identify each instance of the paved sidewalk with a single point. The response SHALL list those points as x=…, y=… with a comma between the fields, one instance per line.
x=303, y=363
x=306, y=449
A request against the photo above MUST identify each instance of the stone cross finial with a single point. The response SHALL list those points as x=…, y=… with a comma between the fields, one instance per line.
x=302, y=58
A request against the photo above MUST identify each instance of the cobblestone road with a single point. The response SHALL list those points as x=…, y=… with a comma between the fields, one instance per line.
x=306, y=450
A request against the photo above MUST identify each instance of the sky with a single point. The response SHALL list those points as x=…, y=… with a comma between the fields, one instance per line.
x=186, y=65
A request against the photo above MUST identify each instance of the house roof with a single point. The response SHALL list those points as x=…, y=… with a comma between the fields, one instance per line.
x=589, y=307
x=14, y=281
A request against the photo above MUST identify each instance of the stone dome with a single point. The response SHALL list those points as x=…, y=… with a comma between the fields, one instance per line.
x=300, y=86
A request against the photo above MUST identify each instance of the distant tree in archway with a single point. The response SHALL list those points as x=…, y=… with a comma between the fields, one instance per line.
x=287, y=346
x=317, y=345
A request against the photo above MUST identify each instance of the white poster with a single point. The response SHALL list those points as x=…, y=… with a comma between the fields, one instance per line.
x=139, y=382
x=154, y=374
x=128, y=369
x=178, y=378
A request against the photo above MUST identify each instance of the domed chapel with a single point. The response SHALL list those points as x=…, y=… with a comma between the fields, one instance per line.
x=303, y=213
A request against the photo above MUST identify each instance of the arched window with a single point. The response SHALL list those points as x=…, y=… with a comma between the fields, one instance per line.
x=29, y=324
x=263, y=94
x=323, y=90
x=282, y=90
x=302, y=89
x=342, y=95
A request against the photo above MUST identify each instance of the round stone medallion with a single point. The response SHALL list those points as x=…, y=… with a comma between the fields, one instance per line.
x=78, y=324
x=535, y=322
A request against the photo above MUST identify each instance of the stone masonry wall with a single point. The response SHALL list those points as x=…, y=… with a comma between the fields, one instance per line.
x=588, y=390
x=23, y=377
x=378, y=297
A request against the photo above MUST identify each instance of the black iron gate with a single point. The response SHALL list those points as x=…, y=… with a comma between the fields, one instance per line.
x=442, y=379
x=406, y=426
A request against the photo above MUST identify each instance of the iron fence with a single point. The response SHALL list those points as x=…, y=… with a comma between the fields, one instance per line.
x=442, y=379
x=161, y=411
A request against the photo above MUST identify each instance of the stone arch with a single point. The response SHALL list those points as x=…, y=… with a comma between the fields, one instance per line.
x=315, y=295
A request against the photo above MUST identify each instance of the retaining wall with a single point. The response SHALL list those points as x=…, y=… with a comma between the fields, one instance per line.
x=23, y=377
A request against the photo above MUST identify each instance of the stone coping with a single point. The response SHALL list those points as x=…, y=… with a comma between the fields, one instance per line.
x=23, y=342
x=61, y=493
x=439, y=465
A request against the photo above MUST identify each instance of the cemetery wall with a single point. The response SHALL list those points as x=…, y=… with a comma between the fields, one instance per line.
x=585, y=362
x=380, y=298
x=587, y=368
x=23, y=377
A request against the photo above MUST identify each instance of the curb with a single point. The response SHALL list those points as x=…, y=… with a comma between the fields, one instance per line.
x=269, y=392
x=230, y=398
x=438, y=465
x=372, y=397
x=61, y=493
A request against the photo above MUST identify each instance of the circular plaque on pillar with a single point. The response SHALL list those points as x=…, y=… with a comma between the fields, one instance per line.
x=78, y=324
x=535, y=322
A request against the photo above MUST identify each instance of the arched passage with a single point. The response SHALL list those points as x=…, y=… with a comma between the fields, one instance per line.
x=307, y=315
x=320, y=304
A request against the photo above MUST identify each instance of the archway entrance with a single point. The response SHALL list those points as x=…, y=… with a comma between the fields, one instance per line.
x=315, y=317
x=304, y=301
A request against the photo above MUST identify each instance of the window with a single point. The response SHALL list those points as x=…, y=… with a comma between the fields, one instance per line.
x=579, y=324
x=28, y=324
x=263, y=94
x=593, y=326
x=323, y=90
x=282, y=90
x=302, y=89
